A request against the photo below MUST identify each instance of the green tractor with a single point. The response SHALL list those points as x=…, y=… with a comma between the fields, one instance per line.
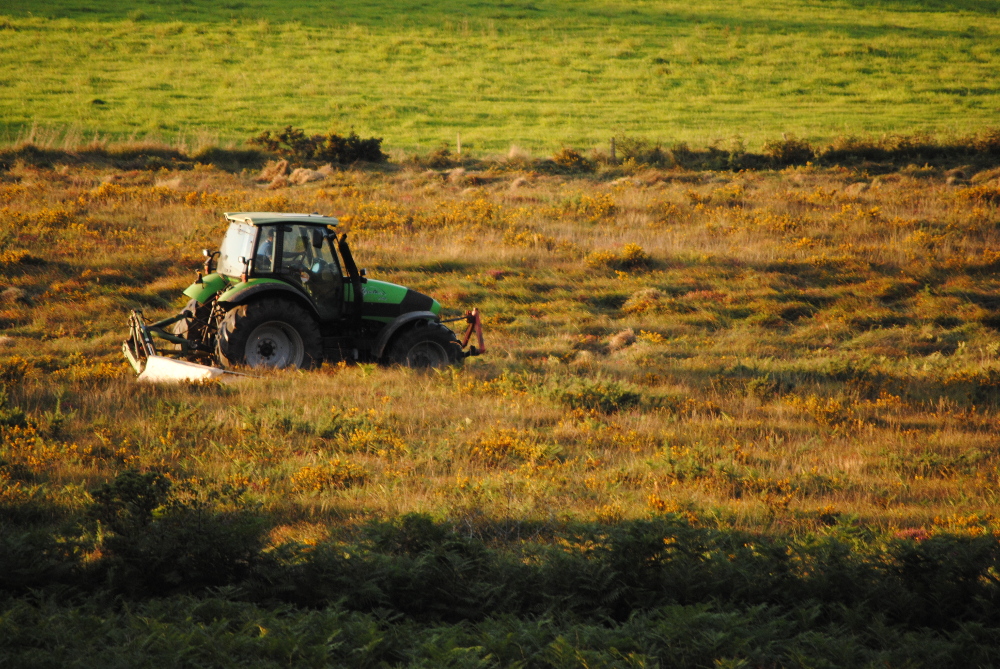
x=285, y=292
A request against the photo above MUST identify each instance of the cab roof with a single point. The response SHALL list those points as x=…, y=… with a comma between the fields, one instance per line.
x=271, y=217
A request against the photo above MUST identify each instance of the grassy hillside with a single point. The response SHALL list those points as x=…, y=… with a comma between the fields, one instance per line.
x=539, y=74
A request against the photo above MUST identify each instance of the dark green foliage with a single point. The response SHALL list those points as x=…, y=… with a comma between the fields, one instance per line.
x=132, y=157
x=128, y=502
x=167, y=538
x=414, y=590
x=183, y=631
x=231, y=160
x=621, y=595
x=293, y=143
x=34, y=559
x=603, y=396
x=646, y=152
x=572, y=161
x=876, y=154
x=438, y=159
x=885, y=154
x=788, y=151
x=10, y=416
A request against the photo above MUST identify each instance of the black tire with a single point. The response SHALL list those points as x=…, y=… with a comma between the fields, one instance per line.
x=427, y=344
x=270, y=332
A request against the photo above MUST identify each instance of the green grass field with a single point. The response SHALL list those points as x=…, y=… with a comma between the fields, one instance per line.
x=539, y=75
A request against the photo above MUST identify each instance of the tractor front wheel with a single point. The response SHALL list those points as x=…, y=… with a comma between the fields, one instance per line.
x=426, y=344
x=195, y=329
x=269, y=333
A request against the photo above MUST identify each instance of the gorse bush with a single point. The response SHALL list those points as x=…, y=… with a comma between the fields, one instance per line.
x=334, y=474
x=127, y=503
x=892, y=152
x=438, y=158
x=634, y=256
x=788, y=151
x=631, y=257
x=10, y=416
x=602, y=396
x=293, y=143
x=572, y=160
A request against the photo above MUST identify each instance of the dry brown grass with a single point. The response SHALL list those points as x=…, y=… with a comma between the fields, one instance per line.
x=804, y=351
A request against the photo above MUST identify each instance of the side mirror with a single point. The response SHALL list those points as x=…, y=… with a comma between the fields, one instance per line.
x=317, y=238
x=207, y=267
x=362, y=272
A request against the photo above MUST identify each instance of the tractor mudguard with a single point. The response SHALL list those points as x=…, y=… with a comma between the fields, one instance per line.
x=392, y=328
x=208, y=286
x=247, y=290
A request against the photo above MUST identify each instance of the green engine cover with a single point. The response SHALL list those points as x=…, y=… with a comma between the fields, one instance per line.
x=385, y=301
x=208, y=287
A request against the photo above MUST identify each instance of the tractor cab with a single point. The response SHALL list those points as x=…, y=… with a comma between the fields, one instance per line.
x=303, y=256
x=297, y=250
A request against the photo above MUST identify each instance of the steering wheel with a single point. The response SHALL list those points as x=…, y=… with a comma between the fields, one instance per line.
x=295, y=261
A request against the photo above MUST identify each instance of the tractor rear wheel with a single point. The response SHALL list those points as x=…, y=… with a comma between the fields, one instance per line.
x=426, y=344
x=269, y=332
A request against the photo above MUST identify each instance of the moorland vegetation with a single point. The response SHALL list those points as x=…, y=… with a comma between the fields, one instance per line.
x=742, y=417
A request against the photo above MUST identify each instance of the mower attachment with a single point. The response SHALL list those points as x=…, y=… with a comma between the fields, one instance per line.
x=475, y=321
x=152, y=367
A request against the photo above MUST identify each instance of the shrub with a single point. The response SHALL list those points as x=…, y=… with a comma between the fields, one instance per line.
x=572, y=160
x=128, y=502
x=641, y=151
x=438, y=159
x=641, y=301
x=634, y=256
x=294, y=143
x=788, y=151
x=601, y=259
x=602, y=396
x=14, y=369
x=334, y=474
x=507, y=446
x=983, y=193
x=10, y=416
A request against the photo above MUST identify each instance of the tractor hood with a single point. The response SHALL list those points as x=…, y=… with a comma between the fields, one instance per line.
x=383, y=301
x=208, y=286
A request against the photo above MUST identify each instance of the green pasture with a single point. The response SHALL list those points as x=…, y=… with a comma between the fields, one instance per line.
x=538, y=74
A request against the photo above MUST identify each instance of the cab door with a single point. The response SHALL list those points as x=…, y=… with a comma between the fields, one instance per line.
x=307, y=261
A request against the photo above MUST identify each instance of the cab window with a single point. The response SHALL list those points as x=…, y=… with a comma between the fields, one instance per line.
x=267, y=249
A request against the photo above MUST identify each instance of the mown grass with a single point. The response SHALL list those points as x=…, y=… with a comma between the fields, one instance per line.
x=539, y=75
x=761, y=402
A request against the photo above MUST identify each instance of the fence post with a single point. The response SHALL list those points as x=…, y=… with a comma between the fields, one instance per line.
x=613, y=158
x=459, y=144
